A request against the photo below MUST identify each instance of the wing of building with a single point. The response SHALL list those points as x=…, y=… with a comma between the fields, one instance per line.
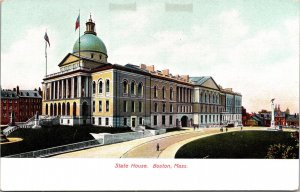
x=89, y=90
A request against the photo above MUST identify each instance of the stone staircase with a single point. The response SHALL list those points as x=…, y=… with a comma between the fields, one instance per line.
x=43, y=120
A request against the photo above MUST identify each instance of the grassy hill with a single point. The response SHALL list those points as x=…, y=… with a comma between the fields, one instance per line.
x=242, y=144
x=35, y=139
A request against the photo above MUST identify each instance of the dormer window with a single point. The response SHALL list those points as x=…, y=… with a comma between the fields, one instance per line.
x=27, y=94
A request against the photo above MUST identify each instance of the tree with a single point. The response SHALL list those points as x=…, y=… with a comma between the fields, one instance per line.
x=280, y=151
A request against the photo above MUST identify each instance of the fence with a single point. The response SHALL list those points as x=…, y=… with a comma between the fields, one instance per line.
x=59, y=149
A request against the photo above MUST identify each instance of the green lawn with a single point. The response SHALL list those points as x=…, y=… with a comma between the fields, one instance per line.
x=35, y=139
x=240, y=144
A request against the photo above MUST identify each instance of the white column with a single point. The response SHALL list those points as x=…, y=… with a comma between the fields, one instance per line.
x=87, y=87
x=79, y=86
x=90, y=87
x=72, y=87
x=67, y=88
x=62, y=89
x=50, y=91
x=272, y=118
x=58, y=87
x=54, y=90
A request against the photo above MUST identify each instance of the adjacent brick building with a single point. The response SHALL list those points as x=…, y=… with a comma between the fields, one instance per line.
x=24, y=104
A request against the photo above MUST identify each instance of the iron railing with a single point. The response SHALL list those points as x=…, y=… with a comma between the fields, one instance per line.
x=59, y=149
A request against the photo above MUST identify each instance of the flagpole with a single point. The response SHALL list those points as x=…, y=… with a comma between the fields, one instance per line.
x=46, y=55
x=79, y=36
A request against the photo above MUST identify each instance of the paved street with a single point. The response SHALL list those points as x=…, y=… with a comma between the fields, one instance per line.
x=146, y=147
x=148, y=150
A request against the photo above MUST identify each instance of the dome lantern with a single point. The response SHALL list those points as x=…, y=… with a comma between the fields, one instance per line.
x=90, y=44
x=90, y=27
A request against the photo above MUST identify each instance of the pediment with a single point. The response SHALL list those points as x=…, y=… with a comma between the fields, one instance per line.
x=210, y=83
x=70, y=58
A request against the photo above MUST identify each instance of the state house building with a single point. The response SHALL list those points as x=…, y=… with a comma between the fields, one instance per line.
x=89, y=90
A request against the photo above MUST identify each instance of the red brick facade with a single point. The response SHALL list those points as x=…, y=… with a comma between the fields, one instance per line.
x=23, y=103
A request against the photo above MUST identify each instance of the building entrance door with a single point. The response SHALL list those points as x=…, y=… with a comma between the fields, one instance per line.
x=133, y=121
x=184, y=121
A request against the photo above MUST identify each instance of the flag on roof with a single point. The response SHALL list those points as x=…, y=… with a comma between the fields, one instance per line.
x=77, y=24
x=47, y=38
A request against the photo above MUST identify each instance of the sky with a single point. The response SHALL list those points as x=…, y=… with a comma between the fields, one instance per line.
x=251, y=46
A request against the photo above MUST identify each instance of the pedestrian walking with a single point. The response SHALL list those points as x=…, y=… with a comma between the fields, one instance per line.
x=241, y=128
x=157, y=147
x=226, y=129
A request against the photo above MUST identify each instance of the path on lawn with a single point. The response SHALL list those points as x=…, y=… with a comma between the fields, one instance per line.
x=146, y=147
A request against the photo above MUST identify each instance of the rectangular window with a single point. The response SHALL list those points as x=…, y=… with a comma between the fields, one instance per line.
x=100, y=106
x=125, y=121
x=164, y=120
x=93, y=119
x=140, y=107
x=155, y=120
x=93, y=106
x=140, y=120
x=124, y=106
x=107, y=106
x=132, y=106
x=106, y=121
x=99, y=121
x=171, y=120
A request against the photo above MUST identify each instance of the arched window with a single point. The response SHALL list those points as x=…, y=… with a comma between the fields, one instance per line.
x=59, y=109
x=63, y=109
x=171, y=93
x=55, y=109
x=164, y=92
x=205, y=98
x=155, y=107
x=107, y=85
x=74, y=109
x=155, y=92
x=208, y=98
x=125, y=87
x=46, y=109
x=51, y=109
x=140, y=89
x=132, y=88
x=213, y=98
x=94, y=87
x=100, y=86
x=68, y=109
x=171, y=108
x=85, y=110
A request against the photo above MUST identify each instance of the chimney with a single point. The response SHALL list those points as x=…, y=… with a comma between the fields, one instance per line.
x=185, y=77
x=18, y=91
x=165, y=72
x=150, y=68
x=40, y=91
x=143, y=66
